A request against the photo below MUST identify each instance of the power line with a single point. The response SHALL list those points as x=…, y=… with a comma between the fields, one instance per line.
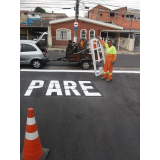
x=81, y=2
x=86, y=2
x=68, y=3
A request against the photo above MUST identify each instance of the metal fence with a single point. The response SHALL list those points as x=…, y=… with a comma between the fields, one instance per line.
x=119, y=43
x=57, y=42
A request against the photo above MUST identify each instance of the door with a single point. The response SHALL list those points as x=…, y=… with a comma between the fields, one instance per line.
x=27, y=52
x=137, y=43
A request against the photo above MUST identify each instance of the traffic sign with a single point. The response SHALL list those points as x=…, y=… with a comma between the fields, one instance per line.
x=75, y=24
x=75, y=28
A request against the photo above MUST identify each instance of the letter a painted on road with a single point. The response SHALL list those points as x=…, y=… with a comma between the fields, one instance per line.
x=54, y=86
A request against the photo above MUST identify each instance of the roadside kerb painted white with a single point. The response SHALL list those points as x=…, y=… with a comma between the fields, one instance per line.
x=74, y=71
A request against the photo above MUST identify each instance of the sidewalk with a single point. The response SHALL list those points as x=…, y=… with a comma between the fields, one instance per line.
x=127, y=52
x=63, y=48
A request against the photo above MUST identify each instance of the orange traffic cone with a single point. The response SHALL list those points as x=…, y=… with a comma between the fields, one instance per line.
x=32, y=149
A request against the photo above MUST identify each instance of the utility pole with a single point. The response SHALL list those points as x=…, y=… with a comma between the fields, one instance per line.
x=76, y=19
x=98, y=13
x=107, y=15
x=131, y=24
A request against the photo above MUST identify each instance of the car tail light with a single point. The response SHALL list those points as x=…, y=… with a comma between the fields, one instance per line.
x=44, y=54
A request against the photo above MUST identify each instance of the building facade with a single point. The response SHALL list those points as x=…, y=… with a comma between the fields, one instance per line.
x=62, y=29
x=33, y=24
x=129, y=19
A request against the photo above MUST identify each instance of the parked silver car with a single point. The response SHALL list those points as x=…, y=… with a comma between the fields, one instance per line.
x=33, y=53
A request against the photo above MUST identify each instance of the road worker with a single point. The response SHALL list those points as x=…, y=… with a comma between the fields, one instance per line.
x=110, y=58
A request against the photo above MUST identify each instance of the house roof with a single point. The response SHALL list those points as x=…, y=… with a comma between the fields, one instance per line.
x=101, y=6
x=36, y=13
x=22, y=24
x=109, y=8
x=122, y=31
x=52, y=14
x=86, y=20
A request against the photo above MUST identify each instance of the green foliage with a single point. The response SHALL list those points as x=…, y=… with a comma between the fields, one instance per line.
x=39, y=9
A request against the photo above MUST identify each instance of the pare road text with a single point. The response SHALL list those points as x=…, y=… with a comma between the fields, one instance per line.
x=55, y=87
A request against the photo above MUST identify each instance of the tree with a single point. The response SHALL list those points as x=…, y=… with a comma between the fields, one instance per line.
x=39, y=9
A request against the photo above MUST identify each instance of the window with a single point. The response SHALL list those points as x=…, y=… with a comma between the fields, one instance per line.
x=33, y=15
x=127, y=16
x=111, y=14
x=63, y=34
x=91, y=33
x=40, y=46
x=101, y=14
x=27, y=48
x=122, y=15
x=83, y=33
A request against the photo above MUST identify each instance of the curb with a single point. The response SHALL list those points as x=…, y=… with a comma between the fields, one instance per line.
x=56, y=49
x=63, y=49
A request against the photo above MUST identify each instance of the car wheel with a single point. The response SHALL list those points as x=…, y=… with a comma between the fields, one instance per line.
x=86, y=65
x=36, y=64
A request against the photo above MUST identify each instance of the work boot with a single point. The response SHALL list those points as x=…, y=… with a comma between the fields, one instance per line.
x=108, y=80
x=103, y=78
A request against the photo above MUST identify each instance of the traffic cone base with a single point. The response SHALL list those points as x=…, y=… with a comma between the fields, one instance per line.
x=32, y=149
x=45, y=154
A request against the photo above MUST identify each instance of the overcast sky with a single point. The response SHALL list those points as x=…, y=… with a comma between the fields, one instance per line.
x=56, y=6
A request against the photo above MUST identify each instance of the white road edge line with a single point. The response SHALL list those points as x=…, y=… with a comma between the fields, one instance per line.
x=75, y=71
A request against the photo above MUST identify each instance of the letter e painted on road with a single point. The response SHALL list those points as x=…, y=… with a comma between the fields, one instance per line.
x=33, y=86
x=68, y=88
x=51, y=89
x=85, y=89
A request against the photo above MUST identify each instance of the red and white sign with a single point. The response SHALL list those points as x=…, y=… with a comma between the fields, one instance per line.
x=75, y=24
x=94, y=44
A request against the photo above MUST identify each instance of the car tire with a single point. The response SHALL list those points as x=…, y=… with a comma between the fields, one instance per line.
x=36, y=64
x=86, y=65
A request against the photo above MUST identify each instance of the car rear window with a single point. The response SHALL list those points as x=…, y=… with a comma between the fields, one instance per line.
x=40, y=46
x=27, y=48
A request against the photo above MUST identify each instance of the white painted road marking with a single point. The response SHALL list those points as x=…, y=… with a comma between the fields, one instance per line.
x=32, y=86
x=57, y=89
x=54, y=87
x=85, y=89
x=74, y=71
x=68, y=88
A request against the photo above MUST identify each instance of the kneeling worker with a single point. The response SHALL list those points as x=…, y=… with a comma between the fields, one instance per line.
x=110, y=59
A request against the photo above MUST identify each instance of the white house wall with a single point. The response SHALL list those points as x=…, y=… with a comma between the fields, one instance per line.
x=126, y=43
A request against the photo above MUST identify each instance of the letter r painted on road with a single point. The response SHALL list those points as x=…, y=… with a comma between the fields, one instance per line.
x=33, y=86
x=68, y=88
x=85, y=89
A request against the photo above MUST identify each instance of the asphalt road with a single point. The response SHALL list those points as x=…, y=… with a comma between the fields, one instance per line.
x=105, y=127
x=123, y=61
